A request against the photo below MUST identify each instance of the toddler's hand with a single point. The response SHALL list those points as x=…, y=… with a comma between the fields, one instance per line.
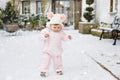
x=46, y=35
x=69, y=37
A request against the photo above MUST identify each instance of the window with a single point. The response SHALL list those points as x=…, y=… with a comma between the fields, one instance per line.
x=25, y=7
x=113, y=5
x=38, y=7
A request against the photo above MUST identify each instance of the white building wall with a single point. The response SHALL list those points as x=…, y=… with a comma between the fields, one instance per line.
x=33, y=7
x=3, y=3
x=118, y=8
x=20, y=7
x=83, y=10
x=97, y=10
x=103, y=7
x=103, y=11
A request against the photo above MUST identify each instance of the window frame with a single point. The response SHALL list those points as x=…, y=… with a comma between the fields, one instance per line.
x=23, y=7
x=37, y=3
x=113, y=6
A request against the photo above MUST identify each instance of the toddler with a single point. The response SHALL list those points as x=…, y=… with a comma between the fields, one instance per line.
x=53, y=36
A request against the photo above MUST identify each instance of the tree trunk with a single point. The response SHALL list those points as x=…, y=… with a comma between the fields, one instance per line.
x=77, y=13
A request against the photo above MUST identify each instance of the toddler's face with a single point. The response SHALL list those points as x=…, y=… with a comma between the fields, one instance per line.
x=56, y=27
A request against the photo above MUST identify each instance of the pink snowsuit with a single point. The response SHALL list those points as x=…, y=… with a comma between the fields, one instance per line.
x=52, y=49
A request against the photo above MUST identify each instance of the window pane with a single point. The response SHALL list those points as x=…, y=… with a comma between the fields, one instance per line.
x=26, y=7
x=39, y=7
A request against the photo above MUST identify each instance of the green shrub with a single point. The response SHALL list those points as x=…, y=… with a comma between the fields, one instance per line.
x=9, y=14
x=89, y=2
x=89, y=9
x=88, y=14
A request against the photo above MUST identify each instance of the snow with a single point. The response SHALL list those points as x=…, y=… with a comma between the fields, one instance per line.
x=20, y=57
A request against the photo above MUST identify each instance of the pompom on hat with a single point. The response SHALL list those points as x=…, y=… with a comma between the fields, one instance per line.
x=55, y=18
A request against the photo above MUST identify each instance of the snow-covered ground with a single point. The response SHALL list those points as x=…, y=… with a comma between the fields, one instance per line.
x=20, y=57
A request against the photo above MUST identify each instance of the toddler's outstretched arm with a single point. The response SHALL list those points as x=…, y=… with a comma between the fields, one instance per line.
x=66, y=37
x=44, y=34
